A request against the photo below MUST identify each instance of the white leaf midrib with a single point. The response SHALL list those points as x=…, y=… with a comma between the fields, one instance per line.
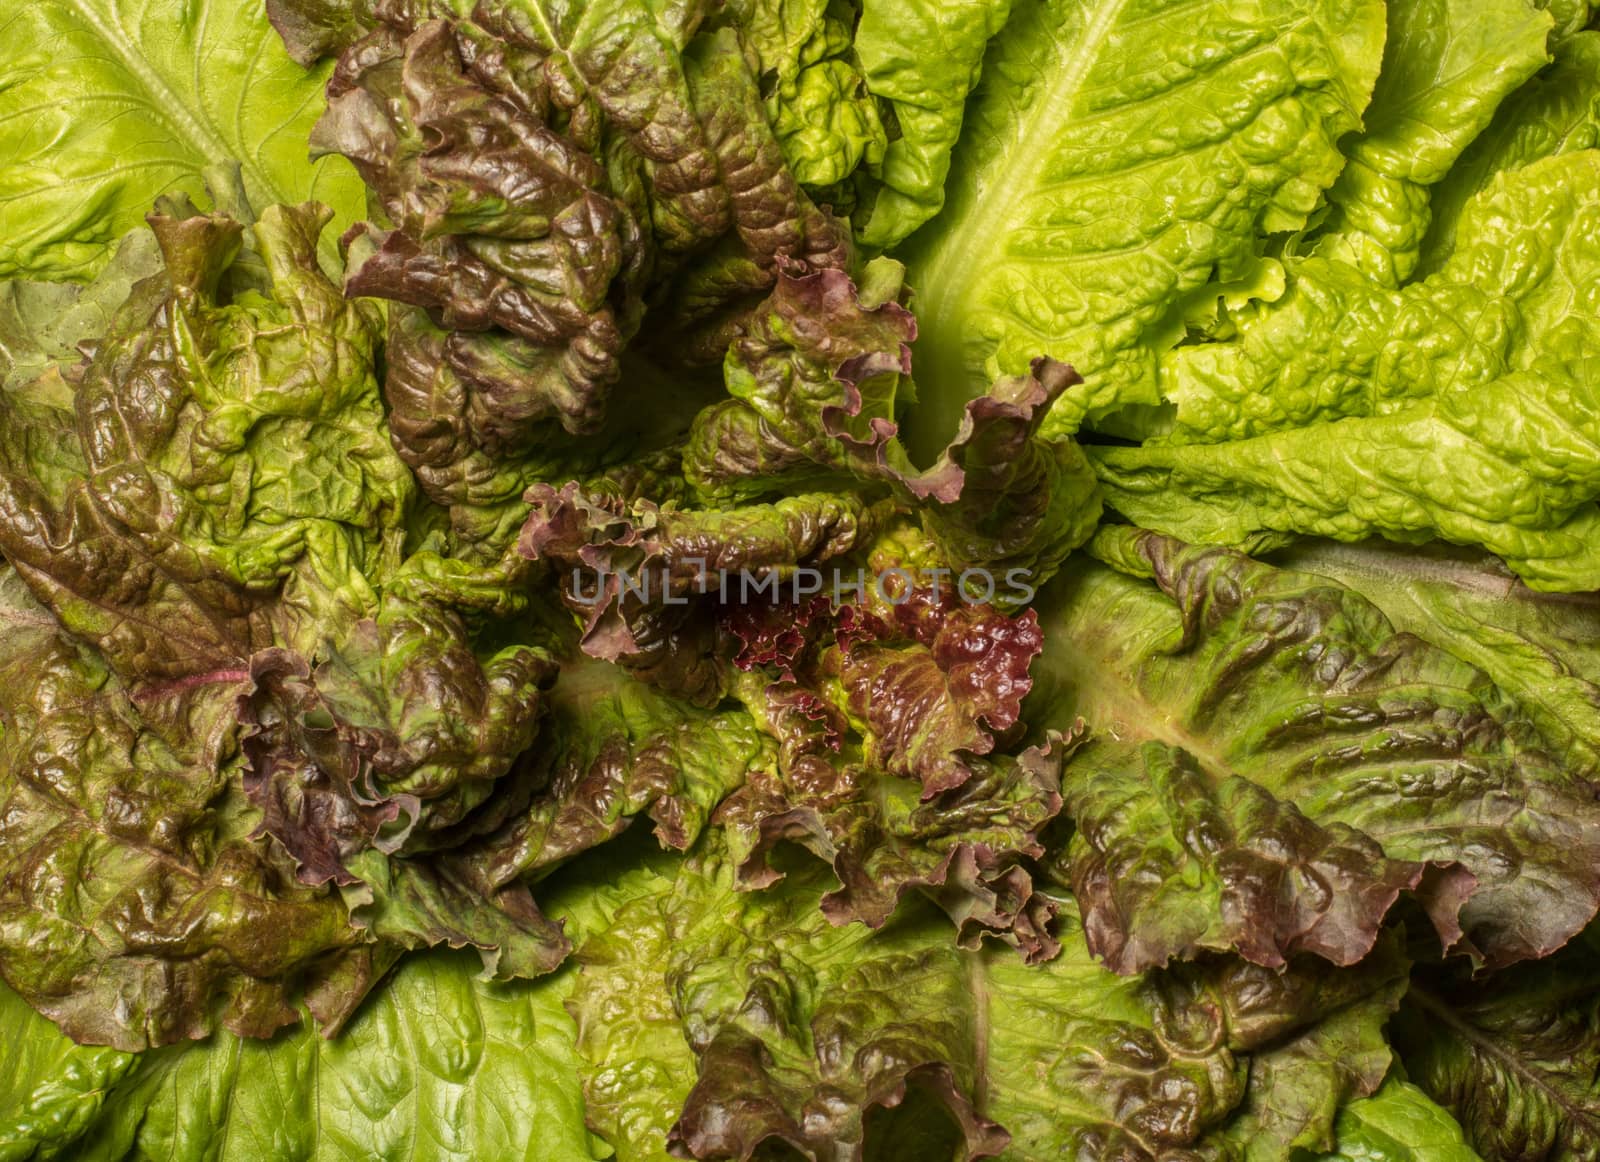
x=1059, y=93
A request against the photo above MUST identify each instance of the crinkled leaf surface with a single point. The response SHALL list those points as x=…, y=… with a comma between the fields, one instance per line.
x=534, y=218
x=1340, y=345
x=135, y=909
x=964, y=847
x=219, y=509
x=42, y=323
x=816, y=381
x=814, y=96
x=1506, y=467
x=882, y=718
x=1570, y=17
x=1515, y=1057
x=760, y=1028
x=435, y=1065
x=1446, y=67
x=1273, y=764
x=615, y=749
x=221, y=450
x=924, y=57
x=1456, y=408
x=108, y=104
x=668, y=555
x=1299, y=1088
x=1051, y=242
x=779, y=1029
x=1556, y=112
x=1541, y=648
x=580, y=202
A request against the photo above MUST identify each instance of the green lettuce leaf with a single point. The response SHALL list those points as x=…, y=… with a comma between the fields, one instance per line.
x=1272, y=764
x=55, y=1088
x=1507, y=466
x=1349, y=410
x=852, y=1043
x=813, y=386
x=1446, y=68
x=435, y=1064
x=108, y=104
x=43, y=323
x=922, y=57
x=815, y=96
x=1309, y=1039
x=1556, y=112
x=311, y=674
x=1340, y=345
x=1300, y=1089
x=1399, y=1123
x=1570, y=16
x=1055, y=240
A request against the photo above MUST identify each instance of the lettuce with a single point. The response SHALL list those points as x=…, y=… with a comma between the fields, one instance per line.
x=1051, y=242
x=469, y=1068
x=1519, y=1035
x=1256, y=793
x=1446, y=68
x=1285, y=457
x=827, y=579
x=890, y=1046
x=108, y=105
